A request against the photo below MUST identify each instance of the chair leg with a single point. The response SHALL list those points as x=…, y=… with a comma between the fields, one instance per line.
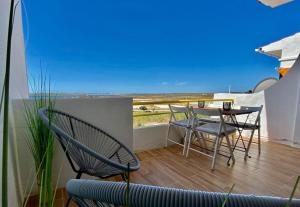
x=232, y=140
x=168, y=133
x=249, y=145
x=204, y=142
x=78, y=176
x=187, y=143
x=230, y=150
x=123, y=177
x=216, y=146
x=259, y=142
x=221, y=141
x=184, y=141
x=68, y=202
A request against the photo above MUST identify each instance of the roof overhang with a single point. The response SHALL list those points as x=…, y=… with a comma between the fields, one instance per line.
x=268, y=50
x=285, y=48
x=274, y=3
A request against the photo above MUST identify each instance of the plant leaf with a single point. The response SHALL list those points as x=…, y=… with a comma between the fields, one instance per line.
x=40, y=141
x=289, y=203
x=2, y=97
x=227, y=196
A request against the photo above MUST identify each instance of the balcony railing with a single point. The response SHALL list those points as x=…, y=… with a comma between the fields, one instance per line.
x=163, y=112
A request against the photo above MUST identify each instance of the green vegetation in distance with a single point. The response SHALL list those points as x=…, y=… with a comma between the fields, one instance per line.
x=145, y=115
x=153, y=118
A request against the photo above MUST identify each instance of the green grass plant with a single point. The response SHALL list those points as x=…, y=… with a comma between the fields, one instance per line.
x=289, y=203
x=141, y=118
x=41, y=141
x=227, y=196
x=127, y=190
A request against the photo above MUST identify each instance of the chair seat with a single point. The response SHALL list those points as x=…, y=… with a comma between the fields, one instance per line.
x=182, y=123
x=209, y=119
x=245, y=126
x=213, y=128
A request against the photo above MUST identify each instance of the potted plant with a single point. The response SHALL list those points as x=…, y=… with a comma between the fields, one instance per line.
x=41, y=141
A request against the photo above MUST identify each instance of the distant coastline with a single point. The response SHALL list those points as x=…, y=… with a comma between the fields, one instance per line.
x=152, y=96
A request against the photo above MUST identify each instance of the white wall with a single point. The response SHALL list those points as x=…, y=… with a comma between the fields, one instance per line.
x=153, y=137
x=281, y=114
x=113, y=115
x=290, y=51
x=18, y=86
x=282, y=105
x=256, y=99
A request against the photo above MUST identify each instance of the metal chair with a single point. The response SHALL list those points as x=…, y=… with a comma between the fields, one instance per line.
x=252, y=126
x=209, y=119
x=183, y=124
x=251, y=123
x=91, y=193
x=212, y=119
x=89, y=149
x=218, y=130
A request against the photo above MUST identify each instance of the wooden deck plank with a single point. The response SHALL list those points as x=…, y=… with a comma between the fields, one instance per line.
x=274, y=172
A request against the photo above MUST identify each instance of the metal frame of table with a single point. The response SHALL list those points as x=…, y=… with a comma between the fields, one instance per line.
x=232, y=113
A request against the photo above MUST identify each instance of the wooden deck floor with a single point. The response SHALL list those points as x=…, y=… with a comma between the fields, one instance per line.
x=274, y=172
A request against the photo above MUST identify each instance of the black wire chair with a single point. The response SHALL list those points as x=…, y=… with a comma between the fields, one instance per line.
x=89, y=149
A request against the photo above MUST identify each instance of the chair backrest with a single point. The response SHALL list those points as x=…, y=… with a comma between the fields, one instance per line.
x=206, y=111
x=88, y=146
x=88, y=193
x=256, y=112
x=178, y=109
x=210, y=113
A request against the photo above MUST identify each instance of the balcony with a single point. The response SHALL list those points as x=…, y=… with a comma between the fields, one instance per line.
x=272, y=173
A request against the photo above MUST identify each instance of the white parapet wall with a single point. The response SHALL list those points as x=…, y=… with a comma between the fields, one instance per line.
x=153, y=137
x=113, y=115
x=256, y=99
x=18, y=89
x=149, y=137
x=282, y=107
x=281, y=113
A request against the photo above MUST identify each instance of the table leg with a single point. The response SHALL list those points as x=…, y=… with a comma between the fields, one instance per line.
x=235, y=122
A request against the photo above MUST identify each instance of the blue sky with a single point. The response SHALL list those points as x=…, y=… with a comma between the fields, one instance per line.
x=154, y=46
